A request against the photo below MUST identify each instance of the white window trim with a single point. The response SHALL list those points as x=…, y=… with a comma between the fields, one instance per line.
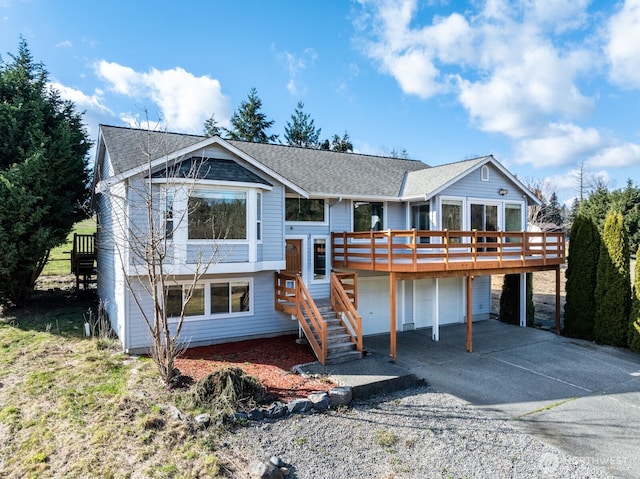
x=385, y=213
x=327, y=262
x=459, y=199
x=484, y=173
x=207, y=300
x=489, y=202
x=250, y=227
x=523, y=213
x=308, y=223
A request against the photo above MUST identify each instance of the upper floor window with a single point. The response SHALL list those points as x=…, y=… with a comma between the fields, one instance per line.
x=484, y=173
x=303, y=209
x=368, y=216
x=512, y=220
x=217, y=215
x=258, y=216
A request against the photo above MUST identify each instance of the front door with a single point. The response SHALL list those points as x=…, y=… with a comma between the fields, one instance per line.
x=294, y=255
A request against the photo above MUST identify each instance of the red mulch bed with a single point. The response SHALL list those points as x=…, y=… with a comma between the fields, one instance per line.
x=270, y=360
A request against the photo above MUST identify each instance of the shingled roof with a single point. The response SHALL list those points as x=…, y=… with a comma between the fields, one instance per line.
x=318, y=172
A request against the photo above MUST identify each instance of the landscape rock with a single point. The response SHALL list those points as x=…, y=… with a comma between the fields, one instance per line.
x=241, y=416
x=276, y=410
x=202, y=420
x=341, y=395
x=264, y=470
x=177, y=414
x=276, y=461
x=320, y=400
x=298, y=406
x=256, y=414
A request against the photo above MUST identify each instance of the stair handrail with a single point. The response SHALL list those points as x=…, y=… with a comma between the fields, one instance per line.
x=311, y=320
x=341, y=303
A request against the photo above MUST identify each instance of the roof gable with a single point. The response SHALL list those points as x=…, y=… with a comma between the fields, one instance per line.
x=218, y=169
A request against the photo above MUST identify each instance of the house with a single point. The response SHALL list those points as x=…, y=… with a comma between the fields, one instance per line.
x=381, y=244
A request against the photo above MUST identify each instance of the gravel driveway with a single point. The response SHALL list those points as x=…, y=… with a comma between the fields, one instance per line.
x=416, y=433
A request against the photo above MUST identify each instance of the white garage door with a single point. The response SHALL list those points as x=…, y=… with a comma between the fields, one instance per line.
x=450, y=304
x=373, y=304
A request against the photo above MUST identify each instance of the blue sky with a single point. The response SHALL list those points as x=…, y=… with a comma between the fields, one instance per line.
x=543, y=85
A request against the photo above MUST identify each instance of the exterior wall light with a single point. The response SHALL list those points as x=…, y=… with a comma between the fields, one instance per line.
x=503, y=191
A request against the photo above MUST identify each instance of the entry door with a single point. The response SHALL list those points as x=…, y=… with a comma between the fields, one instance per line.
x=294, y=255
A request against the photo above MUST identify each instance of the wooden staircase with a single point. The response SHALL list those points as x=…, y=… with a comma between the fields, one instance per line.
x=340, y=346
x=332, y=326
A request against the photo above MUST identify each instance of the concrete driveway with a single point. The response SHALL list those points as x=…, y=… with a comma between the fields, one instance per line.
x=580, y=397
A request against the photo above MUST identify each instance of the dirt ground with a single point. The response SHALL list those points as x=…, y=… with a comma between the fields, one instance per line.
x=544, y=296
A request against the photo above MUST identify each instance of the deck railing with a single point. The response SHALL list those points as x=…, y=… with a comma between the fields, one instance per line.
x=344, y=299
x=421, y=251
x=292, y=296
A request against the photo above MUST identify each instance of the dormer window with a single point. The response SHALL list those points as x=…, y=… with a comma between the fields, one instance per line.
x=484, y=173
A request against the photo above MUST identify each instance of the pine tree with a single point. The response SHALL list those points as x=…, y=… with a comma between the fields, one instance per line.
x=613, y=294
x=582, y=264
x=634, y=318
x=211, y=127
x=43, y=173
x=249, y=123
x=301, y=131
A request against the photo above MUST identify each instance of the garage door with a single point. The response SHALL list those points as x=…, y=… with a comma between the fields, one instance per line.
x=373, y=304
x=450, y=301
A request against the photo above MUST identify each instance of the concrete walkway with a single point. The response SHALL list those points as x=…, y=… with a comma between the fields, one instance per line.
x=580, y=397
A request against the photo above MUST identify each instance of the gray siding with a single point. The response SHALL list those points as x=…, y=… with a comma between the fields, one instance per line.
x=481, y=297
x=396, y=216
x=223, y=252
x=272, y=247
x=471, y=186
x=264, y=321
x=340, y=216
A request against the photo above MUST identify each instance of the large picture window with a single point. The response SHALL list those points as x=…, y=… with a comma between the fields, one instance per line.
x=302, y=209
x=217, y=215
x=368, y=216
x=210, y=299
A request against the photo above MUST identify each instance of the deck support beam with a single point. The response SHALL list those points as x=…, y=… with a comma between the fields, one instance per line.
x=557, y=299
x=469, y=313
x=392, y=315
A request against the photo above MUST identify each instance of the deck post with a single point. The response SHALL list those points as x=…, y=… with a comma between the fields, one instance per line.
x=558, y=299
x=392, y=315
x=435, y=330
x=469, y=312
x=523, y=300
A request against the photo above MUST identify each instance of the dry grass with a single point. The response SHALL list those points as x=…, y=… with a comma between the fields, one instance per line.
x=69, y=408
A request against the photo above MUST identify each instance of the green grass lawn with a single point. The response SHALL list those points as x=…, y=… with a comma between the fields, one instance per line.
x=60, y=258
x=76, y=407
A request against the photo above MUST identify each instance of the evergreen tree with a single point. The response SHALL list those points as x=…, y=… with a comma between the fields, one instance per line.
x=613, y=295
x=211, y=127
x=301, y=131
x=510, y=300
x=582, y=264
x=43, y=173
x=249, y=123
x=634, y=318
x=341, y=144
x=553, y=211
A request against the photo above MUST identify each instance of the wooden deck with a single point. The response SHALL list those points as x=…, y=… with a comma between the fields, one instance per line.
x=442, y=252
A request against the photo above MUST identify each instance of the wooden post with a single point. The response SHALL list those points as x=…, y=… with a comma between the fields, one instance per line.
x=469, y=313
x=558, y=299
x=392, y=315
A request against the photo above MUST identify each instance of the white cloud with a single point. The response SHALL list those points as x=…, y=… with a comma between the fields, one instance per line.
x=296, y=65
x=623, y=48
x=185, y=100
x=64, y=44
x=560, y=144
x=618, y=156
x=81, y=99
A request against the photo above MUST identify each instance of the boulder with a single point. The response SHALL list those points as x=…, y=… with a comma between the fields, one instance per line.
x=320, y=400
x=264, y=470
x=299, y=406
x=276, y=410
x=341, y=395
